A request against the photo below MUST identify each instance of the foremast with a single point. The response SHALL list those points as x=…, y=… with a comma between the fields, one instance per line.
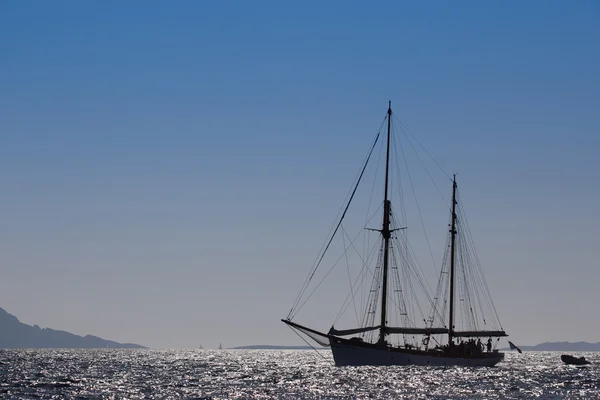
x=386, y=233
x=452, y=333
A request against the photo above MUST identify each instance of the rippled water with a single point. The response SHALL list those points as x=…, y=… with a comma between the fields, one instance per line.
x=258, y=374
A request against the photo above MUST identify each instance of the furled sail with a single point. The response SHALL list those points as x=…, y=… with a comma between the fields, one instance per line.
x=479, y=333
x=417, y=331
x=321, y=338
x=390, y=330
x=345, y=332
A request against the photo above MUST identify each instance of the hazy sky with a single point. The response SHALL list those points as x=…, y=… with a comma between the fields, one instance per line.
x=169, y=171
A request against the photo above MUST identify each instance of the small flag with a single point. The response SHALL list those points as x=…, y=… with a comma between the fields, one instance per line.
x=513, y=347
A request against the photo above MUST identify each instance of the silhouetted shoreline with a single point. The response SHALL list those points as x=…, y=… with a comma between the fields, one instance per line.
x=15, y=334
x=562, y=346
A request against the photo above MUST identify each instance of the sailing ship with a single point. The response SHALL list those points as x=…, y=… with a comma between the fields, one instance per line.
x=463, y=334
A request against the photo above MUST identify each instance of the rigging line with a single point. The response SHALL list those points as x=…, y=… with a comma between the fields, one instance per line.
x=409, y=270
x=348, y=204
x=305, y=341
x=366, y=238
x=329, y=271
x=467, y=309
x=401, y=263
x=365, y=263
x=472, y=242
x=336, y=228
x=417, y=203
x=409, y=251
x=358, y=253
x=485, y=302
x=422, y=147
x=427, y=171
x=366, y=241
x=346, y=302
x=365, y=266
x=395, y=146
x=483, y=296
x=412, y=265
x=321, y=251
x=367, y=256
x=469, y=275
x=368, y=303
x=367, y=244
x=441, y=292
x=460, y=284
x=366, y=160
x=344, y=234
x=373, y=295
x=403, y=308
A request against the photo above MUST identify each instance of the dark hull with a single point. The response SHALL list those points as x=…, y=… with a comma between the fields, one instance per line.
x=567, y=359
x=351, y=353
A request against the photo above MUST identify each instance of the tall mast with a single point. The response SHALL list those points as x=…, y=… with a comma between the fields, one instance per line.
x=452, y=241
x=386, y=233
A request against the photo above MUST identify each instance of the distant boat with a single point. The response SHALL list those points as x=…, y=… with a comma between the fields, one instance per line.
x=390, y=331
x=220, y=346
x=571, y=360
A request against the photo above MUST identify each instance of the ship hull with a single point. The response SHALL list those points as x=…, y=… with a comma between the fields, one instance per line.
x=346, y=353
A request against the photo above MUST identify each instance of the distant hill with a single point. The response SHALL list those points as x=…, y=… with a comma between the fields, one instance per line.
x=562, y=346
x=15, y=334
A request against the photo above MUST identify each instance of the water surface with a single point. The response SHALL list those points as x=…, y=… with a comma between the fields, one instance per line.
x=277, y=374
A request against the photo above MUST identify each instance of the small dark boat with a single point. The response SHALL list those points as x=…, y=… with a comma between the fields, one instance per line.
x=568, y=359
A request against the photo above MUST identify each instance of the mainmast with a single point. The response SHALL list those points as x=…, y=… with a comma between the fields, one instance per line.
x=386, y=233
x=452, y=242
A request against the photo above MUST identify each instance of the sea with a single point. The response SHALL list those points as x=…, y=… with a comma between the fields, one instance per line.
x=280, y=374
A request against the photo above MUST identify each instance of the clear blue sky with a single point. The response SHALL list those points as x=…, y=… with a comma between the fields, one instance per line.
x=168, y=171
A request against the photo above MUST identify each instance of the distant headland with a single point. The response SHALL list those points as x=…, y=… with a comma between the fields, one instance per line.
x=15, y=334
x=562, y=346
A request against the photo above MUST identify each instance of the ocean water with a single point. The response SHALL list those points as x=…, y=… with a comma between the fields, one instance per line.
x=273, y=374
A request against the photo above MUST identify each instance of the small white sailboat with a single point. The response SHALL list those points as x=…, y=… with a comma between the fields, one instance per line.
x=441, y=339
